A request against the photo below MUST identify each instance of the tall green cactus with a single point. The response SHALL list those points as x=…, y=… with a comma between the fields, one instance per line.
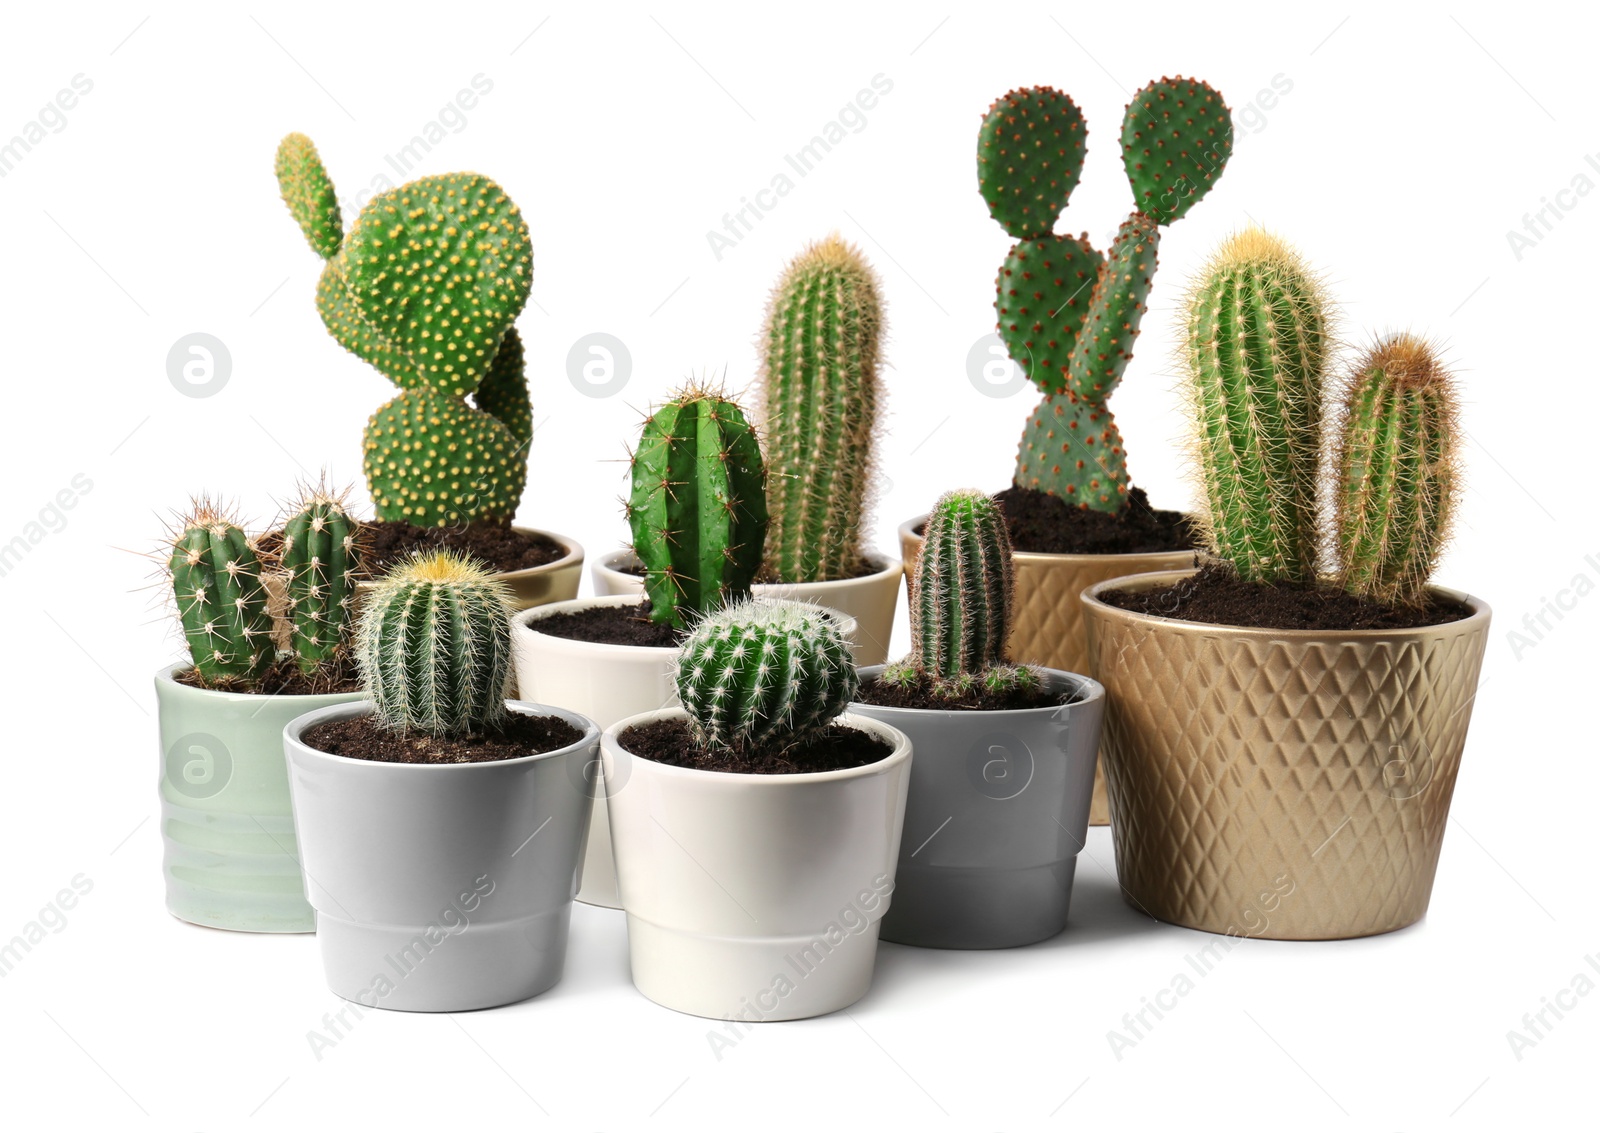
x=222, y=605
x=819, y=398
x=764, y=674
x=1397, y=486
x=434, y=646
x=1068, y=315
x=697, y=506
x=322, y=557
x=1257, y=351
x=425, y=287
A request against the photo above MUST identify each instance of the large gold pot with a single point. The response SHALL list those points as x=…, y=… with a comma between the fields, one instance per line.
x=1288, y=784
x=1047, y=619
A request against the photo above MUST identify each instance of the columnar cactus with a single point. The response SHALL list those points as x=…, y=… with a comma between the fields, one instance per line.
x=697, y=506
x=1257, y=351
x=434, y=646
x=216, y=582
x=1397, y=486
x=322, y=557
x=763, y=674
x=1068, y=314
x=425, y=287
x=819, y=399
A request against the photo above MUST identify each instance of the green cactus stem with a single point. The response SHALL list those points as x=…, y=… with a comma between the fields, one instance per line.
x=1072, y=448
x=697, y=506
x=1030, y=156
x=961, y=600
x=308, y=192
x=322, y=557
x=1041, y=297
x=222, y=605
x=1177, y=135
x=435, y=461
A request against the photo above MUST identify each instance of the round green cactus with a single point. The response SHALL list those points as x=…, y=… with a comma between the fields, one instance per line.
x=308, y=192
x=322, y=556
x=222, y=605
x=763, y=674
x=1177, y=135
x=434, y=646
x=1030, y=155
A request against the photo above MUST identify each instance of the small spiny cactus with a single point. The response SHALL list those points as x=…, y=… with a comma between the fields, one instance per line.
x=434, y=646
x=222, y=605
x=322, y=556
x=764, y=674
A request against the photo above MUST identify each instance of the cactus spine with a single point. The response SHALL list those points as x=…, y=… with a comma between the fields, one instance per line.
x=1397, y=487
x=434, y=646
x=216, y=581
x=819, y=393
x=322, y=556
x=1257, y=350
x=764, y=674
x=1067, y=314
x=697, y=506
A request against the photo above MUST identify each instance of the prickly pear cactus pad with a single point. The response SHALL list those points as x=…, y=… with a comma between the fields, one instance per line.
x=441, y=267
x=1041, y=296
x=1030, y=155
x=1072, y=448
x=355, y=334
x=434, y=461
x=309, y=194
x=503, y=394
x=1104, y=344
x=1177, y=136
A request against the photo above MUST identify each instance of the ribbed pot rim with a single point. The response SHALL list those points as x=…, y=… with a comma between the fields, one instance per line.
x=883, y=565
x=1087, y=689
x=295, y=729
x=169, y=674
x=908, y=531
x=1478, y=619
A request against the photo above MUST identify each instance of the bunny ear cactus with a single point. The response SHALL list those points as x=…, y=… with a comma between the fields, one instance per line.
x=222, y=604
x=1397, y=486
x=819, y=392
x=1068, y=314
x=697, y=506
x=322, y=556
x=425, y=287
x=762, y=674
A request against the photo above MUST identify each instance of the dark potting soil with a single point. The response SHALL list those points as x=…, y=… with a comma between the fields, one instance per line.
x=494, y=543
x=611, y=625
x=926, y=694
x=284, y=679
x=837, y=748
x=1040, y=523
x=1219, y=597
x=362, y=738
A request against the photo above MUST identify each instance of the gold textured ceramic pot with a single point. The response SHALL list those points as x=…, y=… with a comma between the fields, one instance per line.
x=1047, y=618
x=1288, y=784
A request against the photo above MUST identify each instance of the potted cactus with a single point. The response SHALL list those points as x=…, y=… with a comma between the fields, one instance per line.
x=440, y=823
x=267, y=631
x=1069, y=316
x=426, y=287
x=756, y=828
x=1005, y=754
x=818, y=397
x=1282, y=742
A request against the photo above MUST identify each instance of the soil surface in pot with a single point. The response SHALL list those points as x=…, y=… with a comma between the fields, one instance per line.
x=494, y=543
x=1042, y=524
x=937, y=696
x=835, y=749
x=360, y=737
x=1217, y=596
x=611, y=625
x=283, y=679
x=862, y=569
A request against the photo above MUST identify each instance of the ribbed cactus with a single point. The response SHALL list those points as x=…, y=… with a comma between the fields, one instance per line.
x=322, y=557
x=1396, y=469
x=216, y=582
x=763, y=673
x=1067, y=314
x=698, y=506
x=819, y=398
x=1257, y=350
x=425, y=287
x=434, y=646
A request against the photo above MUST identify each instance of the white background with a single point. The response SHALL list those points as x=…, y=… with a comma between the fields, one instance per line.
x=1410, y=143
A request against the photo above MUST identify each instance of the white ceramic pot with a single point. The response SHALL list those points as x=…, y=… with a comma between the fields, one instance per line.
x=754, y=897
x=870, y=599
x=440, y=887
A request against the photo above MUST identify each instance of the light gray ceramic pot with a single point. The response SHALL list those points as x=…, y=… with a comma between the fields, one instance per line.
x=441, y=887
x=996, y=815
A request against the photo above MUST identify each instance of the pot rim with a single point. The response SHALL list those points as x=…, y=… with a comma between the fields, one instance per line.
x=900, y=755
x=294, y=729
x=1478, y=619
x=907, y=530
x=169, y=674
x=521, y=622
x=1087, y=689
x=883, y=565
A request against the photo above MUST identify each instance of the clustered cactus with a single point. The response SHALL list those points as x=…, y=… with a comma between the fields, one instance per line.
x=223, y=585
x=1257, y=352
x=961, y=603
x=819, y=399
x=434, y=646
x=1068, y=314
x=425, y=287
x=764, y=675
x=697, y=506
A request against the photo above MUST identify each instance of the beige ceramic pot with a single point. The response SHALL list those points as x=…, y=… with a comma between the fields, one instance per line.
x=1288, y=784
x=1047, y=621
